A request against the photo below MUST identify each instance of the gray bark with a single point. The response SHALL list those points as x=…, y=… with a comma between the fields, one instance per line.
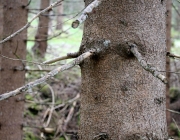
x=119, y=99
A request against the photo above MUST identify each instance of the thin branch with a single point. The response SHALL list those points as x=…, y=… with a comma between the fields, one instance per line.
x=176, y=124
x=28, y=3
x=54, y=72
x=69, y=117
x=63, y=123
x=36, y=9
x=28, y=24
x=52, y=107
x=62, y=22
x=85, y=13
x=53, y=14
x=176, y=9
x=49, y=38
x=172, y=111
x=58, y=105
x=172, y=55
x=36, y=70
x=33, y=62
x=178, y=1
x=68, y=56
x=145, y=65
x=68, y=102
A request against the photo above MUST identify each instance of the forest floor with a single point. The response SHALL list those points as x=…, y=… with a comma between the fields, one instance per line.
x=52, y=110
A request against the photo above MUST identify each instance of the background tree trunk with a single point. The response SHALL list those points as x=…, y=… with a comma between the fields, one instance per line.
x=168, y=44
x=13, y=16
x=40, y=45
x=118, y=96
x=60, y=17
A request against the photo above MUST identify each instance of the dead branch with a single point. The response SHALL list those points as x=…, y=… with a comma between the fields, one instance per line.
x=172, y=55
x=52, y=107
x=176, y=124
x=28, y=24
x=28, y=3
x=59, y=23
x=68, y=56
x=177, y=11
x=69, y=117
x=178, y=1
x=85, y=13
x=49, y=38
x=145, y=65
x=172, y=111
x=52, y=73
x=68, y=102
x=62, y=124
x=15, y=59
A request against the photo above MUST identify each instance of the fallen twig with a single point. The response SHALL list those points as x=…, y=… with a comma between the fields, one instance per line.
x=68, y=102
x=176, y=124
x=51, y=109
x=62, y=124
x=69, y=117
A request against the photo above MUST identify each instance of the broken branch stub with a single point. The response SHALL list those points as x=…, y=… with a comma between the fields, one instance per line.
x=85, y=13
x=145, y=65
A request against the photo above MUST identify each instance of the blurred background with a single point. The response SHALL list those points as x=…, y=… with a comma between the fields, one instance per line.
x=52, y=109
x=50, y=36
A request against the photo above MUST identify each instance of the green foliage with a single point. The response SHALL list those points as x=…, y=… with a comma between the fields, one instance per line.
x=62, y=138
x=33, y=109
x=174, y=128
x=29, y=97
x=58, y=101
x=46, y=92
x=29, y=136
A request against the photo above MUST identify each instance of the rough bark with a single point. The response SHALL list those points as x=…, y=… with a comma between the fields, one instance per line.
x=59, y=17
x=168, y=44
x=119, y=99
x=40, y=45
x=13, y=16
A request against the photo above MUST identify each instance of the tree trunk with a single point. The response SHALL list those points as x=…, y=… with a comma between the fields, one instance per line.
x=42, y=33
x=119, y=99
x=13, y=16
x=168, y=44
x=59, y=17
